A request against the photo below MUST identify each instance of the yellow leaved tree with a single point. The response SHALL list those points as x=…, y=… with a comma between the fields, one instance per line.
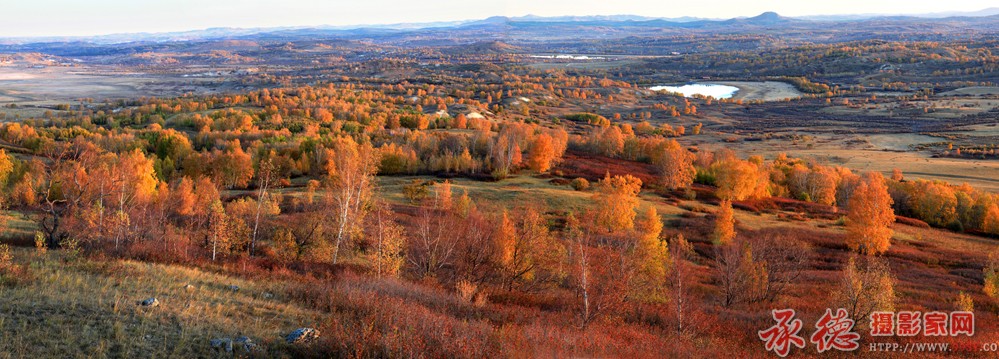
x=868, y=223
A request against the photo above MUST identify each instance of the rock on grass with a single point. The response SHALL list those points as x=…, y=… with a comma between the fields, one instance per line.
x=302, y=335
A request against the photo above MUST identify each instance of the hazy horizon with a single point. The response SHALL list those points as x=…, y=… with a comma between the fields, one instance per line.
x=57, y=18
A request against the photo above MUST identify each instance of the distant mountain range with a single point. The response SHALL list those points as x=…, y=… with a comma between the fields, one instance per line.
x=531, y=26
x=229, y=32
x=992, y=11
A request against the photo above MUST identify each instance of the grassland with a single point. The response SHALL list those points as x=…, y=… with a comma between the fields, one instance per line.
x=74, y=307
x=973, y=91
x=36, y=90
x=19, y=228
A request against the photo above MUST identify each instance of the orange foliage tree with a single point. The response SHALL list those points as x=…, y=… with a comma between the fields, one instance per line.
x=868, y=223
x=616, y=199
x=389, y=241
x=650, y=259
x=505, y=154
x=607, y=141
x=675, y=164
x=816, y=184
x=724, y=230
x=219, y=234
x=864, y=289
x=525, y=249
x=739, y=180
x=990, y=223
x=934, y=202
x=542, y=153
x=350, y=179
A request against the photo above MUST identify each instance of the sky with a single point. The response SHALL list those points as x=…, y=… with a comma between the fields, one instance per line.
x=23, y=18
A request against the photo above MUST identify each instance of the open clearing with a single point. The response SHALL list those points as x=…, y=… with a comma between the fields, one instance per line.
x=899, y=141
x=54, y=83
x=880, y=153
x=47, y=86
x=990, y=129
x=761, y=90
x=950, y=108
x=587, y=65
x=37, y=90
x=973, y=91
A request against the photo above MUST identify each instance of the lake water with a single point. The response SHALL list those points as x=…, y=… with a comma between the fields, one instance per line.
x=713, y=90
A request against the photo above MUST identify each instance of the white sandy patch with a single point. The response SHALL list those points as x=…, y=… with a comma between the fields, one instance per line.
x=14, y=76
x=762, y=90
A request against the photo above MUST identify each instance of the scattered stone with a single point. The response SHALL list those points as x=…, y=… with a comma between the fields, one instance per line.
x=302, y=335
x=188, y=287
x=268, y=295
x=246, y=343
x=222, y=344
x=234, y=288
x=242, y=343
x=151, y=302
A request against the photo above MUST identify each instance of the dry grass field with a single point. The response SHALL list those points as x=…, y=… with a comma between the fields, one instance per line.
x=74, y=307
x=36, y=90
x=869, y=152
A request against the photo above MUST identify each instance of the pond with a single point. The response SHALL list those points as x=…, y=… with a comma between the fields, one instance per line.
x=688, y=90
